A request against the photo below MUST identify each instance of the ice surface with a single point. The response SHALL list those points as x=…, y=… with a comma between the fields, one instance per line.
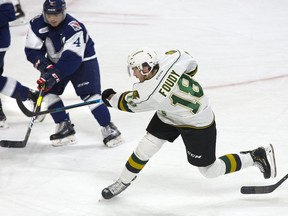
x=242, y=51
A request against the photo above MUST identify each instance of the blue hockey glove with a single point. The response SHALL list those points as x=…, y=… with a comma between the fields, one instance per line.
x=48, y=79
x=42, y=64
x=106, y=96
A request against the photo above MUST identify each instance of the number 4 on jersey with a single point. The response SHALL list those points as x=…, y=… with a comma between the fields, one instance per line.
x=77, y=42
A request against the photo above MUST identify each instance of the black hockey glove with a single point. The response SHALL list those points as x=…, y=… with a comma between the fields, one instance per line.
x=106, y=95
x=42, y=64
x=48, y=79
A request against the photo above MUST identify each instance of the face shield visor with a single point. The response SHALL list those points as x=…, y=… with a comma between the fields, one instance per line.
x=145, y=72
x=54, y=7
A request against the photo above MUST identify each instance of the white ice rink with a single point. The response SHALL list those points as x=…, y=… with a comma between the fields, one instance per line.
x=242, y=50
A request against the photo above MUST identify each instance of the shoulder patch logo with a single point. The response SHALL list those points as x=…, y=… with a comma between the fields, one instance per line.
x=44, y=30
x=135, y=95
x=75, y=25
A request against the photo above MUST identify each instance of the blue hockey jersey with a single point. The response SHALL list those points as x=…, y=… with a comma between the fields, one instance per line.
x=7, y=14
x=66, y=45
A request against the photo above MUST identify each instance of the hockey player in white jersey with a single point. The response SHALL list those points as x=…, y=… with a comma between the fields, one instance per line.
x=166, y=84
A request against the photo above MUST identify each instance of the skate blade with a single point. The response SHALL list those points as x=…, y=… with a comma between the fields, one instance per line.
x=18, y=22
x=270, y=152
x=70, y=140
x=115, y=142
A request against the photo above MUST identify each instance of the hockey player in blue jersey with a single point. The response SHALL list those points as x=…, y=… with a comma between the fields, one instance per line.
x=59, y=46
x=9, y=86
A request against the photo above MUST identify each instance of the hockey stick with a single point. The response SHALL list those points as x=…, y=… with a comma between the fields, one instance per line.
x=28, y=113
x=22, y=144
x=262, y=189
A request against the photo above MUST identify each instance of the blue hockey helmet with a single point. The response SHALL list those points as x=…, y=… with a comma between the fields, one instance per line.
x=54, y=6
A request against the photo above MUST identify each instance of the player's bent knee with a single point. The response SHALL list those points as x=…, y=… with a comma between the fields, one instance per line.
x=51, y=99
x=148, y=146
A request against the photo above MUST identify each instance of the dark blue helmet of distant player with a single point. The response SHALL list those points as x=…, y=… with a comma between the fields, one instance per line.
x=54, y=6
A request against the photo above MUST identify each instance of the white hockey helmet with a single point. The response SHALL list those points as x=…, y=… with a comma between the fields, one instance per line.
x=140, y=58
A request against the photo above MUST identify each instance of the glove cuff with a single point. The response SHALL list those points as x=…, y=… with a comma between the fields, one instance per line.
x=55, y=76
x=106, y=95
x=107, y=92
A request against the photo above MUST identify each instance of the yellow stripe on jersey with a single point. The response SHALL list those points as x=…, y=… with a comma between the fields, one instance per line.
x=122, y=103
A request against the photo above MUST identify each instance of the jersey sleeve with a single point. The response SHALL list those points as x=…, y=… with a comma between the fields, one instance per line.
x=187, y=64
x=34, y=45
x=130, y=101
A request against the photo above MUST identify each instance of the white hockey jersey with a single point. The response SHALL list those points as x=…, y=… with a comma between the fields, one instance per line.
x=178, y=99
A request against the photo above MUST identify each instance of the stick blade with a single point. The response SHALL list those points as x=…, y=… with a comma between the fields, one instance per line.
x=263, y=189
x=257, y=189
x=12, y=144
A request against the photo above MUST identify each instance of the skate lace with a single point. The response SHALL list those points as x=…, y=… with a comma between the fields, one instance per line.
x=117, y=187
x=260, y=162
x=260, y=166
x=60, y=127
x=108, y=130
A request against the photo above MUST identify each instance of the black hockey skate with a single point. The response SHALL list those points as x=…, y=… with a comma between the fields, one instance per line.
x=20, y=17
x=114, y=189
x=33, y=95
x=3, y=118
x=264, y=159
x=64, y=134
x=111, y=135
x=19, y=12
